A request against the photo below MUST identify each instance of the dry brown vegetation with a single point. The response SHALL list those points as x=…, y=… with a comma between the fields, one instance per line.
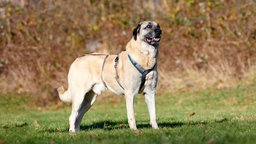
x=205, y=44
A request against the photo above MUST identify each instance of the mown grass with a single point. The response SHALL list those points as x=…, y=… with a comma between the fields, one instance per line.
x=209, y=116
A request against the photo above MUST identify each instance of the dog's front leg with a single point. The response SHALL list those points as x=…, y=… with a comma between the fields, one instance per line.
x=150, y=100
x=150, y=93
x=130, y=110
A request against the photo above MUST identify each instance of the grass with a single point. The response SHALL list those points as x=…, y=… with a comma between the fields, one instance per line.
x=209, y=116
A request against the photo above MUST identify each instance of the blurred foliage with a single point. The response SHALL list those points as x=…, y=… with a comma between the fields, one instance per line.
x=40, y=38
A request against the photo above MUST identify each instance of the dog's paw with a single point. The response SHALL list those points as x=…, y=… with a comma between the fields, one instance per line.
x=137, y=132
x=154, y=125
x=72, y=133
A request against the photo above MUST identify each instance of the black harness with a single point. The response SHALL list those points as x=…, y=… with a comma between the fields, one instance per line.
x=140, y=69
x=115, y=66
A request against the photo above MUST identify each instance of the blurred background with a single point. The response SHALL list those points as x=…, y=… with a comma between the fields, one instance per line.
x=205, y=44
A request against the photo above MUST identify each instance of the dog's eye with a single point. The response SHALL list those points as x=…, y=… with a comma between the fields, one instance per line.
x=149, y=26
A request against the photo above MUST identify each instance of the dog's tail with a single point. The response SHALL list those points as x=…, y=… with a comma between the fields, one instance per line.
x=64, y=96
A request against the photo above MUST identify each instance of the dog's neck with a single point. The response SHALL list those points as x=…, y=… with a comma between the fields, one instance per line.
x=143, y=53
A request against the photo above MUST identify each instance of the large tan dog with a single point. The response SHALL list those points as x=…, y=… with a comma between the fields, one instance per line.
x=130, y=72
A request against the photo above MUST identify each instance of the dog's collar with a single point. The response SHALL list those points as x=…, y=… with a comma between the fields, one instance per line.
x=141, y=70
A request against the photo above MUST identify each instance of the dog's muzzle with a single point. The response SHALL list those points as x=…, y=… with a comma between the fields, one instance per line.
x=154, y=37
x=152, y=40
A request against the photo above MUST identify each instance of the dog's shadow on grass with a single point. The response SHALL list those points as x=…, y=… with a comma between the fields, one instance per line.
x=112, y=125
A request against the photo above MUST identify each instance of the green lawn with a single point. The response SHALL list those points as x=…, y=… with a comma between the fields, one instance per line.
x=209, y=116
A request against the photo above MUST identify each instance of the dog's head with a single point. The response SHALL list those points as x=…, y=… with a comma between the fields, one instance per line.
x=148, y=32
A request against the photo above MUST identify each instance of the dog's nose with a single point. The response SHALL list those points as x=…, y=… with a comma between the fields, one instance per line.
x=158, y=31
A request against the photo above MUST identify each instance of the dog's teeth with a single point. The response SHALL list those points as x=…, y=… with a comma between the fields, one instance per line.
x=156, y=39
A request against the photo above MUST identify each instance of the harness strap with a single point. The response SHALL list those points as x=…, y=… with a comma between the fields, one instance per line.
x=136, y=65
x=102, y=69
x=143, y=77
x=141, y=70
x=117, y=76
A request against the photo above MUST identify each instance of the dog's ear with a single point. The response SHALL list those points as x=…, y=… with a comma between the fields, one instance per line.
x=136, y=31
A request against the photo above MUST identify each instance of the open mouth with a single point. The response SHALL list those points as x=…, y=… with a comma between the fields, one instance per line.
x=150, y=40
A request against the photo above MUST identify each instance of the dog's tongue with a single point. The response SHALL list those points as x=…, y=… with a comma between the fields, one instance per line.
x=149, y=40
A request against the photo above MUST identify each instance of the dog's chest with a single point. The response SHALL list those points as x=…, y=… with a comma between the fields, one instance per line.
x=148, y=56
x=143, y=53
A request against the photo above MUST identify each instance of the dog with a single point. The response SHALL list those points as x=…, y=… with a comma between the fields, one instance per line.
x=130, y=72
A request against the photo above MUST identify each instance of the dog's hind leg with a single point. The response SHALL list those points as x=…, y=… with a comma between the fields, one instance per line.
x=82, y=101
x=88, y=101
x=77, y=101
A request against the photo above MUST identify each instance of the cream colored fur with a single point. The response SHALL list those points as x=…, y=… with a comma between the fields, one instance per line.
x=85, y=81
